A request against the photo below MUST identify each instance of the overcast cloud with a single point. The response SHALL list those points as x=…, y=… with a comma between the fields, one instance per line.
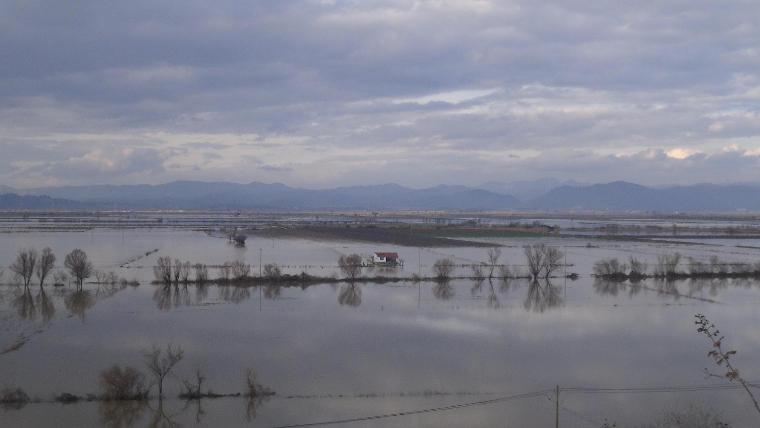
x=318, y=93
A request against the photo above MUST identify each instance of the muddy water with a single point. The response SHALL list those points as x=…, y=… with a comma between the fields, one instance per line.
x=334, y=352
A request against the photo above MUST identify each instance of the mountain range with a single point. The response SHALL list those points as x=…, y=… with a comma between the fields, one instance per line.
x=547, y=195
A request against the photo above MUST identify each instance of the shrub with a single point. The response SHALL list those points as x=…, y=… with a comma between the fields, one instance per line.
x=272, y=272
x=67, y=398
x=13, y=397
x=443, y=268
x=697, y=267
x=610, y=267
x=240, y=270
x=667, y=264
x=126, y=383
x=638, y=268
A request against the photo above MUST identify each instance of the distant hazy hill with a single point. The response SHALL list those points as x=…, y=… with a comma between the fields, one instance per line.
x=623, y=196
x=204, y=195
x=12, y=201
x=616, y=196
x=526, y=190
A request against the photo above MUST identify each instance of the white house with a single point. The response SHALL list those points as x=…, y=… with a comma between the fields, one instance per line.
x=384, y=258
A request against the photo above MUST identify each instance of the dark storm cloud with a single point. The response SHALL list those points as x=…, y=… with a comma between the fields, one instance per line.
x=329, y=82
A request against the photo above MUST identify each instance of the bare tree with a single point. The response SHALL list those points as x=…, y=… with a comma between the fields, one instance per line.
x=225, y=270
x=493, y=260
x=23, y=266
x=667, y=264
x=351, y=266
x=193, y=389
x=45, y=265
x=542, y=260
x=78, y=265
x=253, y=387
x=552, y=260
x=160, y=363
x=201, y=273
x=534, y=257
x=163, y=269
x=477, y=270
x=177, y=270
x=443, y=268
x=184, y=274
x=240, y=270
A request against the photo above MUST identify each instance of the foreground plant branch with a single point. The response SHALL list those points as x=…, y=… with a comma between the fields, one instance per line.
x=722, y=357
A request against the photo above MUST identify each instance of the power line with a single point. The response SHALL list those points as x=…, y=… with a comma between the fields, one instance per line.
x=546, y=393
x=653, y=389
x=416, y=412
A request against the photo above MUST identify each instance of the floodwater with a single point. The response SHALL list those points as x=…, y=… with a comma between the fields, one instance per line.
x=335, y=351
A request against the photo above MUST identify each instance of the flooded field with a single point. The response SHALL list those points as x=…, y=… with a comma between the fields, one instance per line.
x=462, y=353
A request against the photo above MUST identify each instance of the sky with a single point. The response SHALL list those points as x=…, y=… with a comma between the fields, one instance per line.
x=322, y=93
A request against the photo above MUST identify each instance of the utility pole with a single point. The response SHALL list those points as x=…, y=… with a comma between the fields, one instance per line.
x=260, y=251
x=419, y=261
x=556, y=407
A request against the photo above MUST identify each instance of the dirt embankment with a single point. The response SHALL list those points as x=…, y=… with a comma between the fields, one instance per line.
x=404, y=236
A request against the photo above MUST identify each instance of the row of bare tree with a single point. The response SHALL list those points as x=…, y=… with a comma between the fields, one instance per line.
x=29, y=264
x=168, y=271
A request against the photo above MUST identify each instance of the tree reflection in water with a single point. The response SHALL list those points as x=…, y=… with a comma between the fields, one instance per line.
x=121, y=414
x=78, y=302
x=504, y=285
x=698, y=285
x=172, y=296
x=252, y=406
x=541, y=297
x=163, y=297
x=199, y=412
x=350, y=294
x=201, y=293
x=492, y=299
x=160, y=419
x=272, y=291
x=45, y=305
x=23, y=302
x=234, y=294
x=667, y=287
x=443, y=290
x=606, y=287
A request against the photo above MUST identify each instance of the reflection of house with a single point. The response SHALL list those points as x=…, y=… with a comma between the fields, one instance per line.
x=386, y=259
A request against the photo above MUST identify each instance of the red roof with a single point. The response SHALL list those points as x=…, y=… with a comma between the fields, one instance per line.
x=387, y=255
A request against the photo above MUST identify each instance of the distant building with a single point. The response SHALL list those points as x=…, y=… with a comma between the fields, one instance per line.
x=382, y=258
